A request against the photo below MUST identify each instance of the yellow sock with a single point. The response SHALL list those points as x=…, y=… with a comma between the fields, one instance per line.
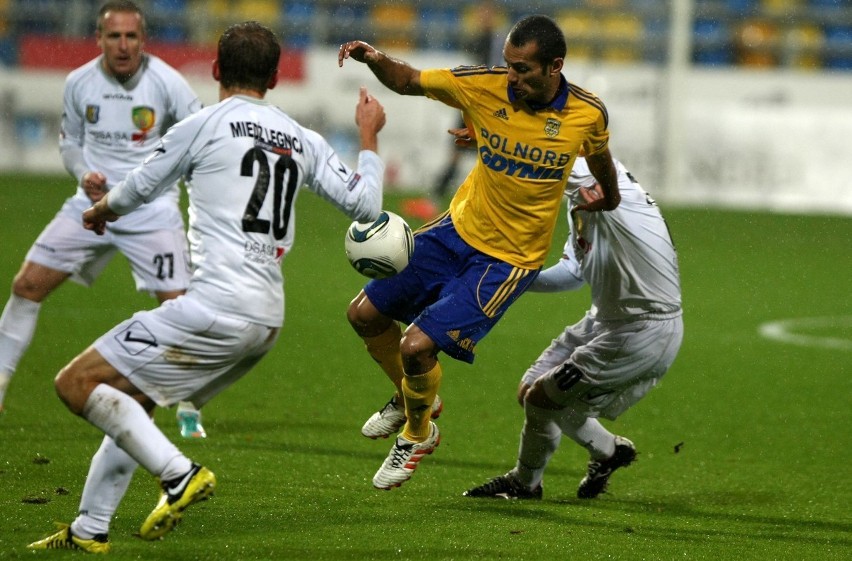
x=384, y=349
x=420, y=392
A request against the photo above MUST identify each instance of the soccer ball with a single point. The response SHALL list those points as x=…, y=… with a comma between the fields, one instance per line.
x=381, y=248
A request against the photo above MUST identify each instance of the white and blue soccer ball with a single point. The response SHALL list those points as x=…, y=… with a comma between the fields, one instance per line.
x=381, y=248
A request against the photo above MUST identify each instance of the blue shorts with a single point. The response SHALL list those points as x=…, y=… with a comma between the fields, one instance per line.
x=451, y=291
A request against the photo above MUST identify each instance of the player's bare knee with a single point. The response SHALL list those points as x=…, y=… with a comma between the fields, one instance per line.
x=419, y=352
x=353, y=317
x=34, y=282
x=70, y=388
x=25, y=286
x=365, y=319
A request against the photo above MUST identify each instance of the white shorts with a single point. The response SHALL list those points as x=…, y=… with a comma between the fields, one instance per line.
x=159, y=260
x=182, y=351
x=601, y=369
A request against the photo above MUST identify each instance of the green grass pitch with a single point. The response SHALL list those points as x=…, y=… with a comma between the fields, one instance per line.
x=745, y=448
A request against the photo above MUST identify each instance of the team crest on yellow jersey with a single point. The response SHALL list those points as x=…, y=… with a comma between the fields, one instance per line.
x=551, y=127
x=143, y=119
x=93, y=113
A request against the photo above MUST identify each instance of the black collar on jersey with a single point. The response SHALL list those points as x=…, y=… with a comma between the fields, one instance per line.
x=558, y=102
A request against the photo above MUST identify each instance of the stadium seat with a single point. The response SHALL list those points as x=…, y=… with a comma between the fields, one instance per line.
x=439, y=27
x=757, y=43
x=623, y=27
x=394, y=26
x=645, y=5
x=741, y=7
x=41, y=17
x=838, y=36
x=167, y=20
x=604, y=4
x=712, y=42
x=711, y=33
x=4, y=17
x=623, y=35
x=803, y=45
x=470, y=19
x=297, y=23
x=781, y=7
x=838, y=47
x=713, y=57
x=620, y=54
x=577, y=24
x=829, y=4
x=208, y=19
x=167, y=7
x=8, y=51
x=349, y=22
x=581, y=52
x=267, y=12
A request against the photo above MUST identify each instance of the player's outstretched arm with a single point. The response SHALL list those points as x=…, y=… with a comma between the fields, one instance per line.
x=395, y=74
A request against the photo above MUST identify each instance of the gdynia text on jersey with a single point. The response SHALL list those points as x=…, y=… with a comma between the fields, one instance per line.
x=494, y=149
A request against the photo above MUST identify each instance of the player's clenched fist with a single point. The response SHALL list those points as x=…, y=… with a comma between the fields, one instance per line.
x=94, y=185
x=96, y=216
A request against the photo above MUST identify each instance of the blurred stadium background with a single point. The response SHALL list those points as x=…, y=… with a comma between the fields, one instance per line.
x=744, y=103
x=723, y=103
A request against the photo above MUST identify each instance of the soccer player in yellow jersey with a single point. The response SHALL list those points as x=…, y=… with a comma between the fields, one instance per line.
x=473, y=261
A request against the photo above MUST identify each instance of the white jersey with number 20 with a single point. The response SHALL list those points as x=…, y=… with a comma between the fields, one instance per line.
x=244, y=162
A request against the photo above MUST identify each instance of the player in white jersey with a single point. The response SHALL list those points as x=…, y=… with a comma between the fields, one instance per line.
x=606, y=362
x=244, y=162
x=115, y=110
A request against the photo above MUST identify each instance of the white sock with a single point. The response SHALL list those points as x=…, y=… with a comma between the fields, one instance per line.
x=589, y=433
x=123, y=419
x=540, y=438
x=17, y=326
x=109, y=475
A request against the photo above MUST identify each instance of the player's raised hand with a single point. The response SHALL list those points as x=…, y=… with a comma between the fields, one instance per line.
x=358, y=50
x=369, y=112
x=96, y=216
x=370, y=118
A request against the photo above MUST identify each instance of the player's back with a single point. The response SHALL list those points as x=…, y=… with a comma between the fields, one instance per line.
x=627, y=255
x=247, y=161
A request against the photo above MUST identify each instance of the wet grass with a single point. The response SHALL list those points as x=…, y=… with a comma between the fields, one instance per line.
x=744, y=447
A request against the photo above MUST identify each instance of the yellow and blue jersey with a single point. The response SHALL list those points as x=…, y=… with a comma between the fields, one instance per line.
x=508, y=205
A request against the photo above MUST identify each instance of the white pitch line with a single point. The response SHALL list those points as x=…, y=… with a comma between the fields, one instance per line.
x=785, y=331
